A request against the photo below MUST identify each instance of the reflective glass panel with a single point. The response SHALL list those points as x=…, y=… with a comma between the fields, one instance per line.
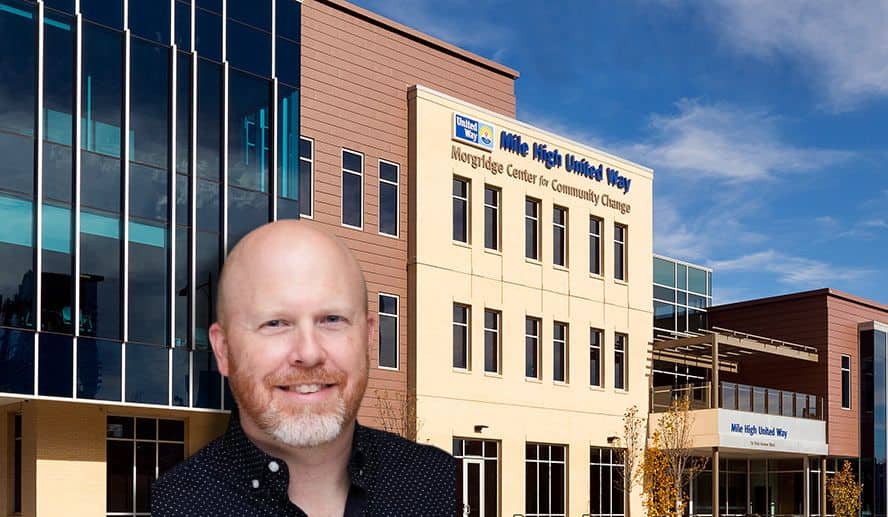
x=257, y=14
x=17, y=67
x=306, y=157
x=181, y=380
x=207, y=275
x=248, y=49
x=212, y=5
x=17, y=172
x=246, y=210
x=100, y=288
x=209, y=35
x=106, y=12
x=146, y=455
x=664, y=272
x=100, y=180
x=183, y=26
x=287, y=61
x=351, y=199
x=182, y=281
x=207, y=381
x=56, y=363
x=57, y=172
x=16, y=361
x=183, y=200
x=146, y=374
x=61, y=5
x=249, y=132
x=98, y=369
x=120, y=476
x=209, y=119
x=208, y=214
x=388, y=208
x=288, y=147
x=149, y=102
x=183, y=112
x=150, y=19
x=148, y=283
x=148, y=192
x=58, y=79
x=102, y=90
x=288, y=18
x=697, y=280
x=58, y=270
x=17, y=280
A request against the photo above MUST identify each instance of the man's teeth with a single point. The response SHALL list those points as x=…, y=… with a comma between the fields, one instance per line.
x=305, y=388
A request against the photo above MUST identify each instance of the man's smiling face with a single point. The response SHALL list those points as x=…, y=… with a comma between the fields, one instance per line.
x=293, y=333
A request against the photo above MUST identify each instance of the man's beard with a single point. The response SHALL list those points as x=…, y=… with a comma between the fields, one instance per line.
x=293, y=423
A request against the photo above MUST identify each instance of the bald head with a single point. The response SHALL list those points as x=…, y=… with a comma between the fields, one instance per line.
x=286, y=253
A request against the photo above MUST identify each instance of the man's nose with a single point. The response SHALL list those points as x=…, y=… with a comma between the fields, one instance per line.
x=306, y=347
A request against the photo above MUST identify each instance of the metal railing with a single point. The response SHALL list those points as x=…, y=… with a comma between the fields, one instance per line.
x=741, y=397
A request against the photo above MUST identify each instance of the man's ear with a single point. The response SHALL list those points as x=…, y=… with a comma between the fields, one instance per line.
x=220, y=347
x=371, y=330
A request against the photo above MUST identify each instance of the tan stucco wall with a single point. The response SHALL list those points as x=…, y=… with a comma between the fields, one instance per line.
x=64, y=448
x=516, y=410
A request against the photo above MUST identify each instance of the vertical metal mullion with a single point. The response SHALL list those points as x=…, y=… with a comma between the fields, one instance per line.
x=37, y=228
x=171, y=203
x=75, y=207
x=273, y=167
x=192, y=220
x=223, y=197
x=224, y=31
x=125, y=155
x=193, y=26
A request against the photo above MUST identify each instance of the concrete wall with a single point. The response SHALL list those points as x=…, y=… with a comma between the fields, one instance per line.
x=517, y=410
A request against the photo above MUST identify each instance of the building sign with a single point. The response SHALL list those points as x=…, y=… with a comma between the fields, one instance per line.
x=744, y=430
x=473, y=132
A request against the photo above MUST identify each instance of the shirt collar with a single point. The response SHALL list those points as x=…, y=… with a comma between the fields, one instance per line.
x=247, y=463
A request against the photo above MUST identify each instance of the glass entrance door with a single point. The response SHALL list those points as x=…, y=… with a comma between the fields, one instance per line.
x=473, y=488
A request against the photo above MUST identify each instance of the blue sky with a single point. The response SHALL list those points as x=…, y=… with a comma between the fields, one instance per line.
x=765, y=122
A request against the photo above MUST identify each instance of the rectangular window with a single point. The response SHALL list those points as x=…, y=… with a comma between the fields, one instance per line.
x=138, y=451
x=545, y=488
x=388, y=331
x=620, y=234
x=595, y=225
x=605, y=483
x=477, y=473
x=461, y=336
x=595, y=357
x=559, y=236
x=532, y=348
x=491, y=341
x=846, y=382
x=532, y=228
x=559, y=352
x=460, y=210
x=491, y=217
x=306, y=177
x=388, y=197
x=620, y=373
x=352, y=189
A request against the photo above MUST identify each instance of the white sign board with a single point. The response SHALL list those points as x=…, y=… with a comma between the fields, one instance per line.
x=744, y=430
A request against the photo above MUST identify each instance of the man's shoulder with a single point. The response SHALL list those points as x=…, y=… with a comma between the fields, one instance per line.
x=182, y=483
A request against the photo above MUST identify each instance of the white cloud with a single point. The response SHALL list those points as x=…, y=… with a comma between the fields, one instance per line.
x=844, y=45
x=727, y=143
x=799, y=272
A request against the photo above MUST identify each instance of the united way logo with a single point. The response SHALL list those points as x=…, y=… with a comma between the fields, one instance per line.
x=473, y=132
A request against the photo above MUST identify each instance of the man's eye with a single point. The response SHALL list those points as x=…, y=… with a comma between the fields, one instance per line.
x=332, y=318
x=273, y=323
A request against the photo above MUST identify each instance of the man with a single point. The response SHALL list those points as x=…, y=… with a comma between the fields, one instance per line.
x=292, y=337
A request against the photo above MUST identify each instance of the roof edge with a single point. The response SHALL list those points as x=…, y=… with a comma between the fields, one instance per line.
x=421, y=37
x=823, y=292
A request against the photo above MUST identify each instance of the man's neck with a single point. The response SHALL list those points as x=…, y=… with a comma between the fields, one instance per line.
x=319, y=480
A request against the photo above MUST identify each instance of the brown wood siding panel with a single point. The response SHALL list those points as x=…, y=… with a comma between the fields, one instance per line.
x=355, y=78
x=824, y=321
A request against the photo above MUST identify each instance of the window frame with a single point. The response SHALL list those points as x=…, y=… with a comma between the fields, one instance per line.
x=597, y=348
x=537, y=356
x=311, y=162
x=611, y=465
x=845, y=371
x=397, y=318
x=598, y=248
x=497, y=332
x=343, y=172
x=397, y=185
x=468, y=208
x=537, y=226
x=620, y=355
x=623, y=257
x=549, y=463
x=564, y=343
x=467, y=334
x=564, y=235
x=497, y=217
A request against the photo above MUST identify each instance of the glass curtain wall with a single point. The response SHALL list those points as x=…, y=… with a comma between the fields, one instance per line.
x=682, y=292
x=179, y=147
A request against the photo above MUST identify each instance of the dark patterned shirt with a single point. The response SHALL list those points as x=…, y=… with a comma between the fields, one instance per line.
x=390, y=476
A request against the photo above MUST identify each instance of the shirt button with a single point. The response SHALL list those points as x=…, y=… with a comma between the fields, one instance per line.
x=255, y=483
x=273, y=466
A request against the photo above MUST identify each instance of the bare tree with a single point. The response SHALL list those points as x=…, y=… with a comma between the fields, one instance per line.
x=630, y=454
x=397, y=413
x=674, y=432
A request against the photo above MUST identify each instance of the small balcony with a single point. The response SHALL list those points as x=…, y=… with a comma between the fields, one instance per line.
x=740, y=397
